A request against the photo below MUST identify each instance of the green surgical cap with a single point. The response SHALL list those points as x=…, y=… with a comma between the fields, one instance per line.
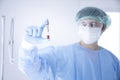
x=93, y=13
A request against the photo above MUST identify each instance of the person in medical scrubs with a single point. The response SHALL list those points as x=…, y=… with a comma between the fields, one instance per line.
x=83, y=60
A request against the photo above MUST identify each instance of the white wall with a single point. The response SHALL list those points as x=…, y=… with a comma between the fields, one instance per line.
x=61, y=14
x=107, y=5
x=111, y=37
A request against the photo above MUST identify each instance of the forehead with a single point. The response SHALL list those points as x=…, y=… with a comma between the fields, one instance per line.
x=89, y=21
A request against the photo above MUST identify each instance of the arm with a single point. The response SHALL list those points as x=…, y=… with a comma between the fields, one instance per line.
x=34, y=65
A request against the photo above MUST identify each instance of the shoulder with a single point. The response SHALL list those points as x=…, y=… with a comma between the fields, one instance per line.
x=64, y=47
x=64, y=51
x=57, y=50
x=110, y=54
x=112, y=59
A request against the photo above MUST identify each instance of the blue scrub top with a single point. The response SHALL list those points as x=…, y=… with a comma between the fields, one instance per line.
x=71, y=62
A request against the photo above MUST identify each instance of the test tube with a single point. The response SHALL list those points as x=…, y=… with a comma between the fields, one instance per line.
x=47, y=26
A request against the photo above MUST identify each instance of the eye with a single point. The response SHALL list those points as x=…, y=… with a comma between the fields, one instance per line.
x=83, y=24
x=93, y=24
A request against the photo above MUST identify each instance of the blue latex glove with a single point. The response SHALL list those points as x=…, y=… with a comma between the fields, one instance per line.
x=33, y=34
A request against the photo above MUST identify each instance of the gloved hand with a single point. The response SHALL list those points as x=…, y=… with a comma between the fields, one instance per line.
x=33, y=34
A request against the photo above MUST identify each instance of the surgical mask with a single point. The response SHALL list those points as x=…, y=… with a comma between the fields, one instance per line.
x=89, y=35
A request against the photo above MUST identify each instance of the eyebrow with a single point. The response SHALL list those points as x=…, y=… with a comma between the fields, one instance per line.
x=89, y=22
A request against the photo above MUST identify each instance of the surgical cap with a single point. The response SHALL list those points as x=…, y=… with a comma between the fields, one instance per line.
x=93, y=13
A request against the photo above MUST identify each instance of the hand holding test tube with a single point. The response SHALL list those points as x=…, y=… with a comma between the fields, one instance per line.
x=33, y=34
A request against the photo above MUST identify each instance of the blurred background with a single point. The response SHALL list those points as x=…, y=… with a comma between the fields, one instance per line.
x=16, y=15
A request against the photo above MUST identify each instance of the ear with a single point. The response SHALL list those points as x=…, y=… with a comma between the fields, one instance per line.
x=103, y=28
